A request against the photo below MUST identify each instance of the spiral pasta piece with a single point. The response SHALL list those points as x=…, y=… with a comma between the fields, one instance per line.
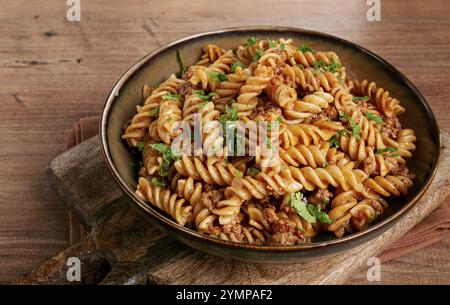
x=253, y=87
x=164, y=200
x=310, y=105
x=211, y=53
x=146, y=114
x=380, y=97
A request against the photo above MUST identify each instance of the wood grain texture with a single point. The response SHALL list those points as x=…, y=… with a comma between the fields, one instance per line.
x=52, y=72
x=137, y=253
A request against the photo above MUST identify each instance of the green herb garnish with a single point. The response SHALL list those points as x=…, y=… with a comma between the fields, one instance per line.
x=318, y=214
x=258, y=55
x=374, y=117
x=237, y=64
x=282, y=47
x=238, y=174
x=305, y=48
x=250, y=42
x=386, y=149
x=253, y=172
x=170, y=96
x=180, y=63
x=361, y=98
x=140, y=146
x=218, y=77
x=154, y=111
x=309, y=212
x=158, y=182
x=168, y=157
x=299, y=204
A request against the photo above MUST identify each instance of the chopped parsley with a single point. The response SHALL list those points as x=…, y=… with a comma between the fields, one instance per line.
x=305, y=48
x=272, y=44
x=386, y=149
x=250, y=42
x=361, y=98
x=309, y=212
x=279, y=120
x=168, y=157
x=237, y=64
x=140, y=146
x=374, y=117
x=352, y=124
x=335, y=140
x=158, y=182
x=218, y=77
x=299, y=204
x=170, y=96
x=282, y=47
x=238, y=174
x=333, y=67
x=253, y=172
x=258, y=55
x=154, y=111
x=325, y=164
x=180, y=63
x=318, y=214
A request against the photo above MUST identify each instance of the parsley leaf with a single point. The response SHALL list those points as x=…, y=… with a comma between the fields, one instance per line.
x=258, y=55
x=180, y=63
x=335, y=140
x=170, y=96
x=158, y=182
x=333, y=67
x=218, y=77
x=140, y=146
x=237, y=64
x=374, y=117
x=253, y=172
x=299, y=204
x=282, y=47
x=154, y=111
x=238, y=174
x=361, y=98
x=318, y=214
x=305, y=48
x=386, y=149
x=250, y=42
x=355, y=129
x=272, y=44
x=168, y=157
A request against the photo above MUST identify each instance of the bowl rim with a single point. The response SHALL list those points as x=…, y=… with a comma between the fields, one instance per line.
x=173, y=226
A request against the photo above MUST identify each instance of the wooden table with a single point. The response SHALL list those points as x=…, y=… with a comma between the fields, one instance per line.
x=53, y=72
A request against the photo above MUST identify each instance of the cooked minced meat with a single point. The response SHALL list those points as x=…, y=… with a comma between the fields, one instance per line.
x=285, y=232
x=368, y=165
x=210, y=197
x=330, y=113
x=390, y=127
x=403, y=171
x=320, y=197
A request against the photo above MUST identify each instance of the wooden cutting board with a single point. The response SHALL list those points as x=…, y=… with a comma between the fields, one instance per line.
x=122, y=248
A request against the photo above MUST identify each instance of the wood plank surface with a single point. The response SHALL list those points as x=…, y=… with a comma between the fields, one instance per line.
x=53, y=72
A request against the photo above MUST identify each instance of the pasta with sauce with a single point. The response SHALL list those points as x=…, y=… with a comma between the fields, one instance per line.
x=334, y=150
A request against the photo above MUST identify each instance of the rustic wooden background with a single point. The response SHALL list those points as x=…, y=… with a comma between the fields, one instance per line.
x=53, y=72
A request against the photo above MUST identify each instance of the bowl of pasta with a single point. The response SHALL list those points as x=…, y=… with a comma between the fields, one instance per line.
x=269, y=144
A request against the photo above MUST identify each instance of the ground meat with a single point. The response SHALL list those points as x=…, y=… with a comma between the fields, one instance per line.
x=329, y=113
x=368, y=166
x=269, y=214
x=187, y=75
x=320, y=197
x=390, y=127
x=285, y=232
x=403, y=171
x=185, y=88
x=210, y=197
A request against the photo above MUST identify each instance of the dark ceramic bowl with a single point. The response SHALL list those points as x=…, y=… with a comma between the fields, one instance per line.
x=361, y=63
